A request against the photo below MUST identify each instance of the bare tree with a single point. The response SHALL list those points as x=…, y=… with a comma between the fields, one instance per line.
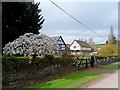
x=111, y=37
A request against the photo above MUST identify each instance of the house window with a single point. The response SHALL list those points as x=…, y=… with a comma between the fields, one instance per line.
x=61, y=47
x=74, y=47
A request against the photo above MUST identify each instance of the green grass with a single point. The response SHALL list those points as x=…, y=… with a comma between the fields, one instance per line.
x=16, y=57
x=70, y=81
x=22, y=57
x=57, y=56
x=111, y=66
x=99, y=45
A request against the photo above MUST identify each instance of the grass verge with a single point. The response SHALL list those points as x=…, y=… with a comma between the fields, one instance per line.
x=70, y=81
x=111, y=66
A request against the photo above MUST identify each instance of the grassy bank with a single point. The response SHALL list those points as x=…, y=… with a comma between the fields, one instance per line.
x=70, y=81
x=110, y=66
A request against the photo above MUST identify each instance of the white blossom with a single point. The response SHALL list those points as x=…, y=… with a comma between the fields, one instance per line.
x=30, y=43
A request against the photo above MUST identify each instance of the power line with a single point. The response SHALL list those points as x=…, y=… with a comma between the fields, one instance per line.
x=75, y=18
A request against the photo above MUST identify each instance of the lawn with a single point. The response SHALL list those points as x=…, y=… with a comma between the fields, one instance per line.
x=111, y=66
x=71, y=81
x=99, y=45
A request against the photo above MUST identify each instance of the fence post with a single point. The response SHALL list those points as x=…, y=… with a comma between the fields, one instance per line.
x=86, y=63
x=79, y=64
x=92, y=61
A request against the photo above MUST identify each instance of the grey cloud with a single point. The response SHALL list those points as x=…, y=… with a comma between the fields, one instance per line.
x=97, y=16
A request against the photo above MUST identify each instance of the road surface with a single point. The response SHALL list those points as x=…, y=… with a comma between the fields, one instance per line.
x=108, y=81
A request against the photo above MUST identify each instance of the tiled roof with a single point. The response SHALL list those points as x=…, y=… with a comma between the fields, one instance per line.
x=83, y=44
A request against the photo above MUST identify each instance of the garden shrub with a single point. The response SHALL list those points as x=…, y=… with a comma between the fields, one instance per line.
x=66, y=59
x=49, y=58
x=14, y=64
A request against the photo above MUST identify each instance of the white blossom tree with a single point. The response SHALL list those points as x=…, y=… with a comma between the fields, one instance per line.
x=31, y=43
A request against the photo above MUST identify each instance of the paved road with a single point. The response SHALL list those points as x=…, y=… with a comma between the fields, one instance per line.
x=109, y=81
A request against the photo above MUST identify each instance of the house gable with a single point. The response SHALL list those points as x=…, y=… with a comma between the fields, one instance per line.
x=79, y=47
x=61, y=41
x=75, y=46
x=62, y=46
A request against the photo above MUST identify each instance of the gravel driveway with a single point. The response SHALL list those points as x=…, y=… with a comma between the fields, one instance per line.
x=108, y=81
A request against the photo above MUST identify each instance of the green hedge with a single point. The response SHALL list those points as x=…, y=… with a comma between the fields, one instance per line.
x=15, y=64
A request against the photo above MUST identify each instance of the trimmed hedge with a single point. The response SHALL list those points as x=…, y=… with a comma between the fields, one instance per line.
x=13, y=64
x=15, y=69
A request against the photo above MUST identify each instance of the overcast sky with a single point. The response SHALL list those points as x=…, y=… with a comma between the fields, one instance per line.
x=98, y=16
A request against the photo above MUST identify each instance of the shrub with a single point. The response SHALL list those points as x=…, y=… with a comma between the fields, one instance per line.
x=66, y=60
x=13, y=64
x=108, y=50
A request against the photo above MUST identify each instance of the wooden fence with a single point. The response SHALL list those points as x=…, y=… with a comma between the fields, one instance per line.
x=87, y=62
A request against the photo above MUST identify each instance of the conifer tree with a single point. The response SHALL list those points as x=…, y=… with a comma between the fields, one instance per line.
x=19, y=18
